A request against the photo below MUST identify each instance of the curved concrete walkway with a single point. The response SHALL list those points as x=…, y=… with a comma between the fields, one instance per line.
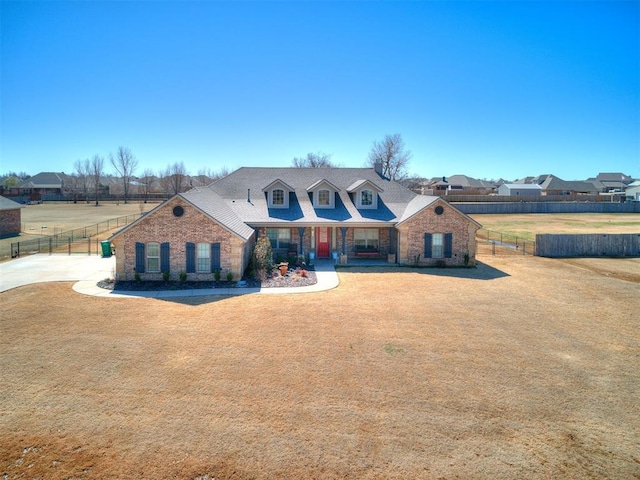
x=88, y=270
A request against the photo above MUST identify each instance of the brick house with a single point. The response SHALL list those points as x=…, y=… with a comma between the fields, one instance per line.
x=10, y=218
x=352, y=212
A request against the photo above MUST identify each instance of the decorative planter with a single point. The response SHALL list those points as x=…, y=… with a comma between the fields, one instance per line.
x=284, y=267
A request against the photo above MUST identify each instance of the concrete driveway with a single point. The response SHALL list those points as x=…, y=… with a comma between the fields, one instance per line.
x=54, y=268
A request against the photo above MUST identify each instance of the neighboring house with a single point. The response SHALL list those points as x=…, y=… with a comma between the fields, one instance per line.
x=10, y=218
x=633, y=191
x=609, y=182
x=520, y=189
x=552, y=185
x=459, y=185
x=328, y=211
x=42, y=184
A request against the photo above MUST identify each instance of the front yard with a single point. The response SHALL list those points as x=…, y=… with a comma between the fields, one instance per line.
x=522, y=368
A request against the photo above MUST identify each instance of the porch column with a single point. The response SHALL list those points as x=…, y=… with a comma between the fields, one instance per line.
x=392, y=244
x=343, y=230
x=301, y=234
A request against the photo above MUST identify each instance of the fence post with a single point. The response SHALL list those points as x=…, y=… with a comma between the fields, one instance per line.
x=89, y=246
x=69, y=246
x=97, y=247
x=50, y=245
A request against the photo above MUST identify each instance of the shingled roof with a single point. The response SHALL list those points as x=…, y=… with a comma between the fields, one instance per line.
x=45, y=180
x=243, y=192
x=7, y=204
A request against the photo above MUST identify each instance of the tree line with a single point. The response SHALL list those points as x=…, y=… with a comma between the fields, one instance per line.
x=88, y=174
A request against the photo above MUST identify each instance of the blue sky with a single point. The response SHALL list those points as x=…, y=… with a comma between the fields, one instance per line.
x=487, y=89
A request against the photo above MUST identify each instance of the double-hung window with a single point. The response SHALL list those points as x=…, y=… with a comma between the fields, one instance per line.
x=153, y=257
x=203, y=257
x=279, y=237
x=438, y=245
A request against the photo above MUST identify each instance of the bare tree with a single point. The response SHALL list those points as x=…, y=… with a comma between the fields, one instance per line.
x=175, y=178
x=391, y=153
x=213, y=175
x=95, y=173
x=125, y=164
x=148, y=179
x=314, y=160
x=82, y=170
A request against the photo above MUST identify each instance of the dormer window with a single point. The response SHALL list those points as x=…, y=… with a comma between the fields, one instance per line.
x=366, y=198
x=323, y=194
x=365, y=194
x=277, y=197
x=277, y=193
x=324, y=198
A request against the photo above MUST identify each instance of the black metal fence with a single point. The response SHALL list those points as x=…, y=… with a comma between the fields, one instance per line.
x=79, y=240
x=490, y=242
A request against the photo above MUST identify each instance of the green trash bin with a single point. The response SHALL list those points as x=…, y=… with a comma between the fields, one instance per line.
x=106, y=248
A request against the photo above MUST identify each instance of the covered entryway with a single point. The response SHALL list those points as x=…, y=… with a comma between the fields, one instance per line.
x=323, y=239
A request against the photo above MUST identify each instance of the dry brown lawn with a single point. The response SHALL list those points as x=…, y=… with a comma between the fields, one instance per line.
x=522, y=368
x=62, y=217
x=525, y=226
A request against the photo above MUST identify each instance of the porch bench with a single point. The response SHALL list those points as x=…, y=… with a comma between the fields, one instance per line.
x=367, y=252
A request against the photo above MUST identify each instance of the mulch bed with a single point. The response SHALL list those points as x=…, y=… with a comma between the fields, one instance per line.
x=293, y=278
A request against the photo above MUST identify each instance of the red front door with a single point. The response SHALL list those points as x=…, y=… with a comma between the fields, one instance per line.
x=323, y=239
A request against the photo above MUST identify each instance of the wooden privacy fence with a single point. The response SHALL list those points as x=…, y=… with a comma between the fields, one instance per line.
x=550, y=207
x=466, y=198
x=588, y=245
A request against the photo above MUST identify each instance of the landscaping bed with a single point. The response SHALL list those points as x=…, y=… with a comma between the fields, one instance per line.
x=293, y=278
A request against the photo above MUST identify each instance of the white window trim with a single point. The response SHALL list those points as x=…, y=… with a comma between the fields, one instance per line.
x=437, y=248
x=374, y=199
x=285, y=198
x=148, y=256
x=316, y=198
x=207, y=250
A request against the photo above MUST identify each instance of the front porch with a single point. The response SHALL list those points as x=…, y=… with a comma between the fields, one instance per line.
x=353, y=262
x=360, y=245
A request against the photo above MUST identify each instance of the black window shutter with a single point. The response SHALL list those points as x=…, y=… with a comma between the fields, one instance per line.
x=140, y=257
x=191, y=257
x=448, y=245
x=215, y=257
x=164, y=257
x=427, y=245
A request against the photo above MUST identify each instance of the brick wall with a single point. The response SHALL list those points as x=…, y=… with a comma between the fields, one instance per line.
x=193, y=226
x=450, y=221
x=10, y=222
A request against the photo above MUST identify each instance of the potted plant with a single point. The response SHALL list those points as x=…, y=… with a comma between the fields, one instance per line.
x=283, y=266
